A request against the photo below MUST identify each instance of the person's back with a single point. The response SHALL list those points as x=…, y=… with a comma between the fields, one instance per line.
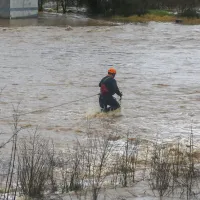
x=108, y=87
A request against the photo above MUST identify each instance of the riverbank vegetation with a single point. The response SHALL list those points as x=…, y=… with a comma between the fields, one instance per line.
x=186, y=11
x=156, y=18
x=102, y=161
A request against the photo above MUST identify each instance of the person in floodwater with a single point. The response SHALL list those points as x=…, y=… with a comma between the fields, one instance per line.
x=108, y=87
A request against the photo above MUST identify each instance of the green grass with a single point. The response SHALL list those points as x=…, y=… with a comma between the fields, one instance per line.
x=2, y=190
x=160, y=13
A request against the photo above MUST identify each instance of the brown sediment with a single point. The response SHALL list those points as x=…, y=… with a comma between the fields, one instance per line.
x=196, y=155
x=58, y=129
x=41, y=98
x=78, y=131
x=26, y=125
x=132, y=139
x=150, y=17
x=145, y=18
x=114, y=137
x=3, y=103
x=161, y=85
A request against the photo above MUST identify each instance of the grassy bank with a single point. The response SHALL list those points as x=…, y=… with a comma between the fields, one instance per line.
x=156, y=16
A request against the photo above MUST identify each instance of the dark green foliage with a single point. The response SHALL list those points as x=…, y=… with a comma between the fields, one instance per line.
x=99, y=7
x=40, y=4
x=117, y=7
x=185, y=8
x=191, y=13
x=140, y=7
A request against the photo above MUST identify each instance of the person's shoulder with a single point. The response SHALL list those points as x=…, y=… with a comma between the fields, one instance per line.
x=114, y=80
x=106, y=78
x=103, y=78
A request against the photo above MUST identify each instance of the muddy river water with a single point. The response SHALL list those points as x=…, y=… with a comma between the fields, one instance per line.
x=158, y=70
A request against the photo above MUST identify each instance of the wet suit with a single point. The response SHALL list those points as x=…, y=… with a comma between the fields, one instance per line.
x=108, y=87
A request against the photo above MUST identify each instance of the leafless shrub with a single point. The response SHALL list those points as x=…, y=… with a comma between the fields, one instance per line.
x=77, y=167
x=72, y=169
x=11, y=185
x=85, y=167
x=190, y=176
x=173, y=169
x=63, y=161
x=126, y=161
x=146, y=160
x=98, y=158
x=52, y=164
x=160, y=175
x=90, y=165
x=34, y=159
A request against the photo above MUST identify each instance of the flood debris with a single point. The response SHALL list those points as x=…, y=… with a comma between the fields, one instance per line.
x=69, y=28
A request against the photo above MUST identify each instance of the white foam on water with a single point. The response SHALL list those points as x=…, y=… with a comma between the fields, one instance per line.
x=96, y=113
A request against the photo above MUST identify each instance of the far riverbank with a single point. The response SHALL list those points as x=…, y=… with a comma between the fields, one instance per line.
x=152, y=17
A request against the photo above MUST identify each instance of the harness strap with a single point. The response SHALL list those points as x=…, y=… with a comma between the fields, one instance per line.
x=104, y=89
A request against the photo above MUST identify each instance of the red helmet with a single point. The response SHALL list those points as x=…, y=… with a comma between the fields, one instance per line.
x=112, y=71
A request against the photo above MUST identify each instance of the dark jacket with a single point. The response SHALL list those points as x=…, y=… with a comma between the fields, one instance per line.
x=109, y=86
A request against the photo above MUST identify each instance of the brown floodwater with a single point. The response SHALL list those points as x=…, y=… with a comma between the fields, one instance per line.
x=56, y=19
x=43, y=65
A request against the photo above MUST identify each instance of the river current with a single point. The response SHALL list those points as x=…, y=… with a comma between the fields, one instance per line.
x=44, y=65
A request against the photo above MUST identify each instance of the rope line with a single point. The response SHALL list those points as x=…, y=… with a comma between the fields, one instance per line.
x=48, y=108
x=4, y=144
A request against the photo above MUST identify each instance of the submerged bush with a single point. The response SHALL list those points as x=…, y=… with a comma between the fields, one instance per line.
x=190, y=13
x=35, y=162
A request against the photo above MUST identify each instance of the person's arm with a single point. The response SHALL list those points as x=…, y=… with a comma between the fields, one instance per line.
x=117, y=89
x=118, y=92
